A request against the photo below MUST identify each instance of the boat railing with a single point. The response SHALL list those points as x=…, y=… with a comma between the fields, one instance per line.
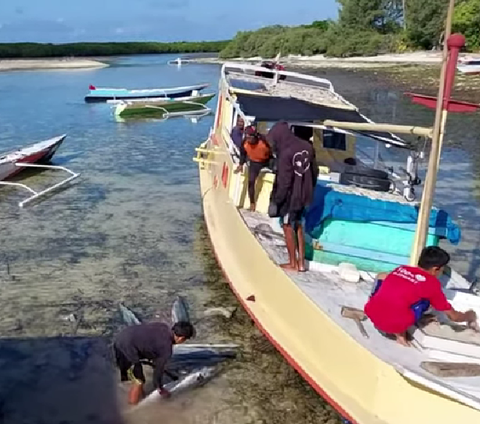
x=307, y=79
x=37, y=194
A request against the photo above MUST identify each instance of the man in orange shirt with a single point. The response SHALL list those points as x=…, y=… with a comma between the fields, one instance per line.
x=256, y=149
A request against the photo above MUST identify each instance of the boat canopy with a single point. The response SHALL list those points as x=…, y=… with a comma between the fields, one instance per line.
x=271, y=108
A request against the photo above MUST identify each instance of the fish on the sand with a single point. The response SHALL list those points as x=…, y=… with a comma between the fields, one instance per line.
x=192, y=380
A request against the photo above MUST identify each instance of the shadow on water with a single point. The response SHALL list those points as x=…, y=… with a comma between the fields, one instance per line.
x=60, y=380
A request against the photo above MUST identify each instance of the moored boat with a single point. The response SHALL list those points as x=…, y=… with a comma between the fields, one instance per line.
x=163, y=108
x=98, y=94
x=37, y=155
x=363, y=216
x=41, y=152
x=469, y=66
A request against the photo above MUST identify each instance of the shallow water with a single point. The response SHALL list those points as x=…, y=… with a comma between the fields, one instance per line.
x=130, y=229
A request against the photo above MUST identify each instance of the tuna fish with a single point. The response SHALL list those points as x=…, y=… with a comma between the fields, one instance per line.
x=180, y=311
x=129, y=318
x=192, y=380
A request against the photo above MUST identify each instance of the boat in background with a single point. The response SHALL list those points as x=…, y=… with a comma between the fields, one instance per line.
x=165, y=108
x=179, y=61
x=469, y=66
x=37, y=155
x=97, y=95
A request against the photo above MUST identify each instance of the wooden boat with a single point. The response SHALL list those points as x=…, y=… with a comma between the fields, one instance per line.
x=164, y=108
x=179, y=61
x=37, y=155
x=368, y=380
x=469, y=66
x=98, y=94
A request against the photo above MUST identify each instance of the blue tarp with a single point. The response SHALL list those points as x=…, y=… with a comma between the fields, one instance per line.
x=331, y=204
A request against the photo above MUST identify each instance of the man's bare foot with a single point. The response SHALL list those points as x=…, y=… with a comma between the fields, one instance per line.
x=252, y=207
x=289, y=267
x=402, y=339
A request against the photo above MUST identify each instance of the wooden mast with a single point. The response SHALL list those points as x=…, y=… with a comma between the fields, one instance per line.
x=441, y=114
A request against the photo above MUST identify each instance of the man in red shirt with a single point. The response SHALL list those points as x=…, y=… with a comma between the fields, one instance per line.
x=399, y=301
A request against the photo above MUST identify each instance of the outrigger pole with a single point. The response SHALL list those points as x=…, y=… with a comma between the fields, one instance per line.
x=443, y=104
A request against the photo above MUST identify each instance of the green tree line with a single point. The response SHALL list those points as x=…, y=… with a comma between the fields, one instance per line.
x=364, y=27
x=33, y=50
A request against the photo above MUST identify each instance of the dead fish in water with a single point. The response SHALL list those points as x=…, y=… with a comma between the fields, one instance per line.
x=224, y=312
x=128, y=316
x=180, y=311
x=193, y=366
x=188, y=357
x=194, y=379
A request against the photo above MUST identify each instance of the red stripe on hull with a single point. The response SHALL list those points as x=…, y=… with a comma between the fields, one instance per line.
x=283, y=352
x=33, y=158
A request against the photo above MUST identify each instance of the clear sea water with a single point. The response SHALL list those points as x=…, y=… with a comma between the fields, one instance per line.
x=130, y=230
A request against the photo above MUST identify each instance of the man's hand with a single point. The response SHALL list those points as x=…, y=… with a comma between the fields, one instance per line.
x=239, y=169
x=164, y=393
x=471, y=317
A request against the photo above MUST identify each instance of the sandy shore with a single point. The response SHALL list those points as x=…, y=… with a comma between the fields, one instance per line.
x=320, y=61
x=33, y=64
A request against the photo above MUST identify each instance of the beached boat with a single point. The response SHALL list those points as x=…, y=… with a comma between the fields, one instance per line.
x=164, y=108
x=362, y=216
x=469, y=66
x=37, y=155
x=98, y=94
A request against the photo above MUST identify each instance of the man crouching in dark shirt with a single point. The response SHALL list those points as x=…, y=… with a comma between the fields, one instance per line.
x=153, y=342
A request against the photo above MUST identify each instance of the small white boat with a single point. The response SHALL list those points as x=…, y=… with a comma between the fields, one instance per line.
x=102, y=94
x=37, y=155
x=469, y=66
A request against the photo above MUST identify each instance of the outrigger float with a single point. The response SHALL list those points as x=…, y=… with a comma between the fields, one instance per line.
x=36, y=156
x=363, y=221
x=192, y=106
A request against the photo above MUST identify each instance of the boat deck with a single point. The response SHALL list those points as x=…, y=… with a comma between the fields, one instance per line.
x=329, y=292
x=312, y=93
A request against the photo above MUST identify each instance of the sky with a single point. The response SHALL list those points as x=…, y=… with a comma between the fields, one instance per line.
x=63, y=21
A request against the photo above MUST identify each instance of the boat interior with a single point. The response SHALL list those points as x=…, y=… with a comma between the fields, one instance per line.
x=361, y=222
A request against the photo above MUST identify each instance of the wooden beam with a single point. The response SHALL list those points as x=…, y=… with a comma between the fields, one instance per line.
x=434, y=161
x=395, y=129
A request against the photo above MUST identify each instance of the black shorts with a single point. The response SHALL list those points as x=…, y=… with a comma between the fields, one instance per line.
x=291, y=218
x=128, y=370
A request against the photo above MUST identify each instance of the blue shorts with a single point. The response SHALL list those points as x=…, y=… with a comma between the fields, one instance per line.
x=418, y=308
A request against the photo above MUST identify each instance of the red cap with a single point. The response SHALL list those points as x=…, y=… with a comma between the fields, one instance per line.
x=250, y=131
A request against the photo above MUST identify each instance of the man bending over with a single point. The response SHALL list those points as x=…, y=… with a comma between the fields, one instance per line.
x=403, y=297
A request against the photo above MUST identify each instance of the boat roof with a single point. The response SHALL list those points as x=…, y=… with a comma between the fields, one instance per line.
x=299, y=98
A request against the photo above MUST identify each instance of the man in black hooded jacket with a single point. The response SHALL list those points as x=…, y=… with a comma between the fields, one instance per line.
x=293, y=190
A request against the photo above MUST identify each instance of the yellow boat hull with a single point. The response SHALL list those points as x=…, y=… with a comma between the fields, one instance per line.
x=363, y=388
